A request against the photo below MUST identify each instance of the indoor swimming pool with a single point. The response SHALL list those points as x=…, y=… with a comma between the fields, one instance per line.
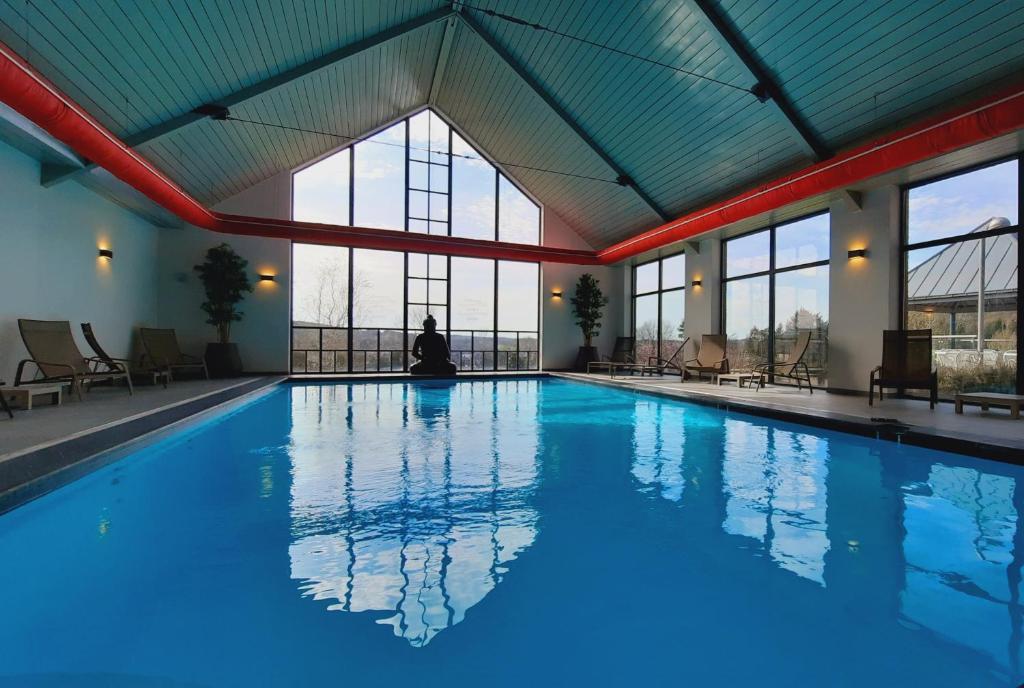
x=510, y=533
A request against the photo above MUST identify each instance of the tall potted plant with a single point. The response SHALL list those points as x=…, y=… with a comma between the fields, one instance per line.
x=587, y=304
x=226, y=283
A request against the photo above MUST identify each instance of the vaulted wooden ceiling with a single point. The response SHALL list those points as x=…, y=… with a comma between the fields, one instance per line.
x=684, y=132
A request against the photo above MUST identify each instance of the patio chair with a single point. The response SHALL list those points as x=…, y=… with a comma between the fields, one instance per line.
x=110, y=362
x=710, y=358
x=792, y=368
x=56, y=358
x=656, y=365
x=906, y=364
x=164, y=354
x=624, y=352
x=3, y=402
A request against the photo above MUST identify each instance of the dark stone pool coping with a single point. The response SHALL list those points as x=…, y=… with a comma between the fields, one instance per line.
x=35, y=472
x=932, y=438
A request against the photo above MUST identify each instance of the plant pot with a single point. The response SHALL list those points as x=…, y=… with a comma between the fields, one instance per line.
x=223, y=360
x=585, y=355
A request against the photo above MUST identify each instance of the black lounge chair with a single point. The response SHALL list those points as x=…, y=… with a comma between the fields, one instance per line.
x=164, y=354
x=3, y=402
x=656, y=365
x=110, y=362
x=906, y=364
x=624, y=352
x=792, y=368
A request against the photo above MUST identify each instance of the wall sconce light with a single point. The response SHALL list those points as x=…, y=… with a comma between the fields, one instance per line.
x=857, y=253
x=696, y=283
x=556, y=293
x=264, y=277
x=106, y=253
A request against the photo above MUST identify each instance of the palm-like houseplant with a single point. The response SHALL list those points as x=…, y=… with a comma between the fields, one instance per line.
x=226, y=283
x=587, y=307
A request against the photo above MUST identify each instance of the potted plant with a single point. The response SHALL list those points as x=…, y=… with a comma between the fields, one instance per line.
x=226, y=283
x=587, y=304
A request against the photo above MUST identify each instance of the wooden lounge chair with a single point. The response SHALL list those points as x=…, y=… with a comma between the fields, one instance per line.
x=3, y=402
x=792, y=368
x=710, y=358
x=622, y=353
x=110, y=362
x=164, y=354
x=57, y=359
x=656, y=365
x=906, y=364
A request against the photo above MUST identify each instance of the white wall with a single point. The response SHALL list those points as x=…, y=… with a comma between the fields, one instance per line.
x=49, y=268
x=561, y=338
x=262, y=336
x=864, y=292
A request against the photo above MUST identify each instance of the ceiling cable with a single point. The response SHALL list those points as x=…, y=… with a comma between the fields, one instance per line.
x=222, y=115
x=537, y=27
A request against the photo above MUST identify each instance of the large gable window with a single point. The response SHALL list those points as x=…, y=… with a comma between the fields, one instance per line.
x=358, y=310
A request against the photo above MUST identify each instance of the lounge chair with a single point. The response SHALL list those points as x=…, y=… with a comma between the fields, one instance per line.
x=164, y=354
x=57, y=359
x=906, y=364
x=656, y=365
x=3, y=402
x=622, y=353
x=792, y=368
x=110, y=362
x=710, y=358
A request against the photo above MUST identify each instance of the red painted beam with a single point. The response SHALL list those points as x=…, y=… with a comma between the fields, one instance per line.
x=24, y=90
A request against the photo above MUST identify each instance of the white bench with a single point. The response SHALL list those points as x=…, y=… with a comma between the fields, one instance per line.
x=986, y=399
x=22, y=395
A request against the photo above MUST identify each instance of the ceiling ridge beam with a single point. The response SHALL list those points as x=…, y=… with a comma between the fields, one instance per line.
x=443, y=55
x=765, y=88
x=54, y=174
x=623, y=177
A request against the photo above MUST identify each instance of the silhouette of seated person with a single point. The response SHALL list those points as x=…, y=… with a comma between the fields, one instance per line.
x=431, y=350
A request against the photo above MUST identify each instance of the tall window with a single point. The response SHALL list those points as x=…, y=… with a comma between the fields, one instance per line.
x=961, y=251
x=659, y=304
x=358, y=310
x=775, y=285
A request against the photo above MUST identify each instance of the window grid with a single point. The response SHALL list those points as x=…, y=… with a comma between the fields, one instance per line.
x=661, y=292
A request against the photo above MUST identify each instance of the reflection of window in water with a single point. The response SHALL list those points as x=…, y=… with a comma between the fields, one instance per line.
x=774, y=482
x=958, y=548
x=658, y=437
x=395, y=510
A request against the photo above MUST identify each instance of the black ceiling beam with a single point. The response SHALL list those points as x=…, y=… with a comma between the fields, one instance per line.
x=54, y=174
x=622, y=176
x=764, y=87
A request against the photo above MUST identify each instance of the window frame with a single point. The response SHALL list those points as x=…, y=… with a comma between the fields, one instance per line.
x=660, y=291
x=770, y=273
x=905, y=247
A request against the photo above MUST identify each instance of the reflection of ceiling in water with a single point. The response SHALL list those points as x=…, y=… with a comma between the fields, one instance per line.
x=411, y=500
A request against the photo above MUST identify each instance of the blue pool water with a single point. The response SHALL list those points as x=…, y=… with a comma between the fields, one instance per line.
x=514, y=533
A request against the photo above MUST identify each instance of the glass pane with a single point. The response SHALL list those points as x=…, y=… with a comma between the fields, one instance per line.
x=439, y=207
x=982, y=199
x=377, y=299
x=801, y=303
x=518, y=295
x=437, y=292
x=417, y=290
x=943, y=285
x=418, y=226
x=439, y=178
x=320, y=285
x=418, y=175
x=645, y=319
x=472, y=192
x=418, y=204
x=419, y=137
x=438, y=266
x=439, y=228
x=673, y=272
x=803, y=241
x=673, y=306
x=380, y=180
x=320, y=192
x=472, y=293
x=747, y=254
x=418, y=265
x=746, y=322
x=518, y=216
x=646, y=277
x=438, y=134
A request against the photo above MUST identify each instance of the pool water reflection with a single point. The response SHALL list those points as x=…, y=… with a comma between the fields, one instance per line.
x=507, y=532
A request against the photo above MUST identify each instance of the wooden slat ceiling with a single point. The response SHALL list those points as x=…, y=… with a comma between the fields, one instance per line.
x=850, y=68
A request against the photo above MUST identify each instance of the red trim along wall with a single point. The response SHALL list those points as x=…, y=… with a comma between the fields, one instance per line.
x=30, y=94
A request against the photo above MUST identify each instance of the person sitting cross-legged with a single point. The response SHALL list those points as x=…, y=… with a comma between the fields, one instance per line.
x=431, y=350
